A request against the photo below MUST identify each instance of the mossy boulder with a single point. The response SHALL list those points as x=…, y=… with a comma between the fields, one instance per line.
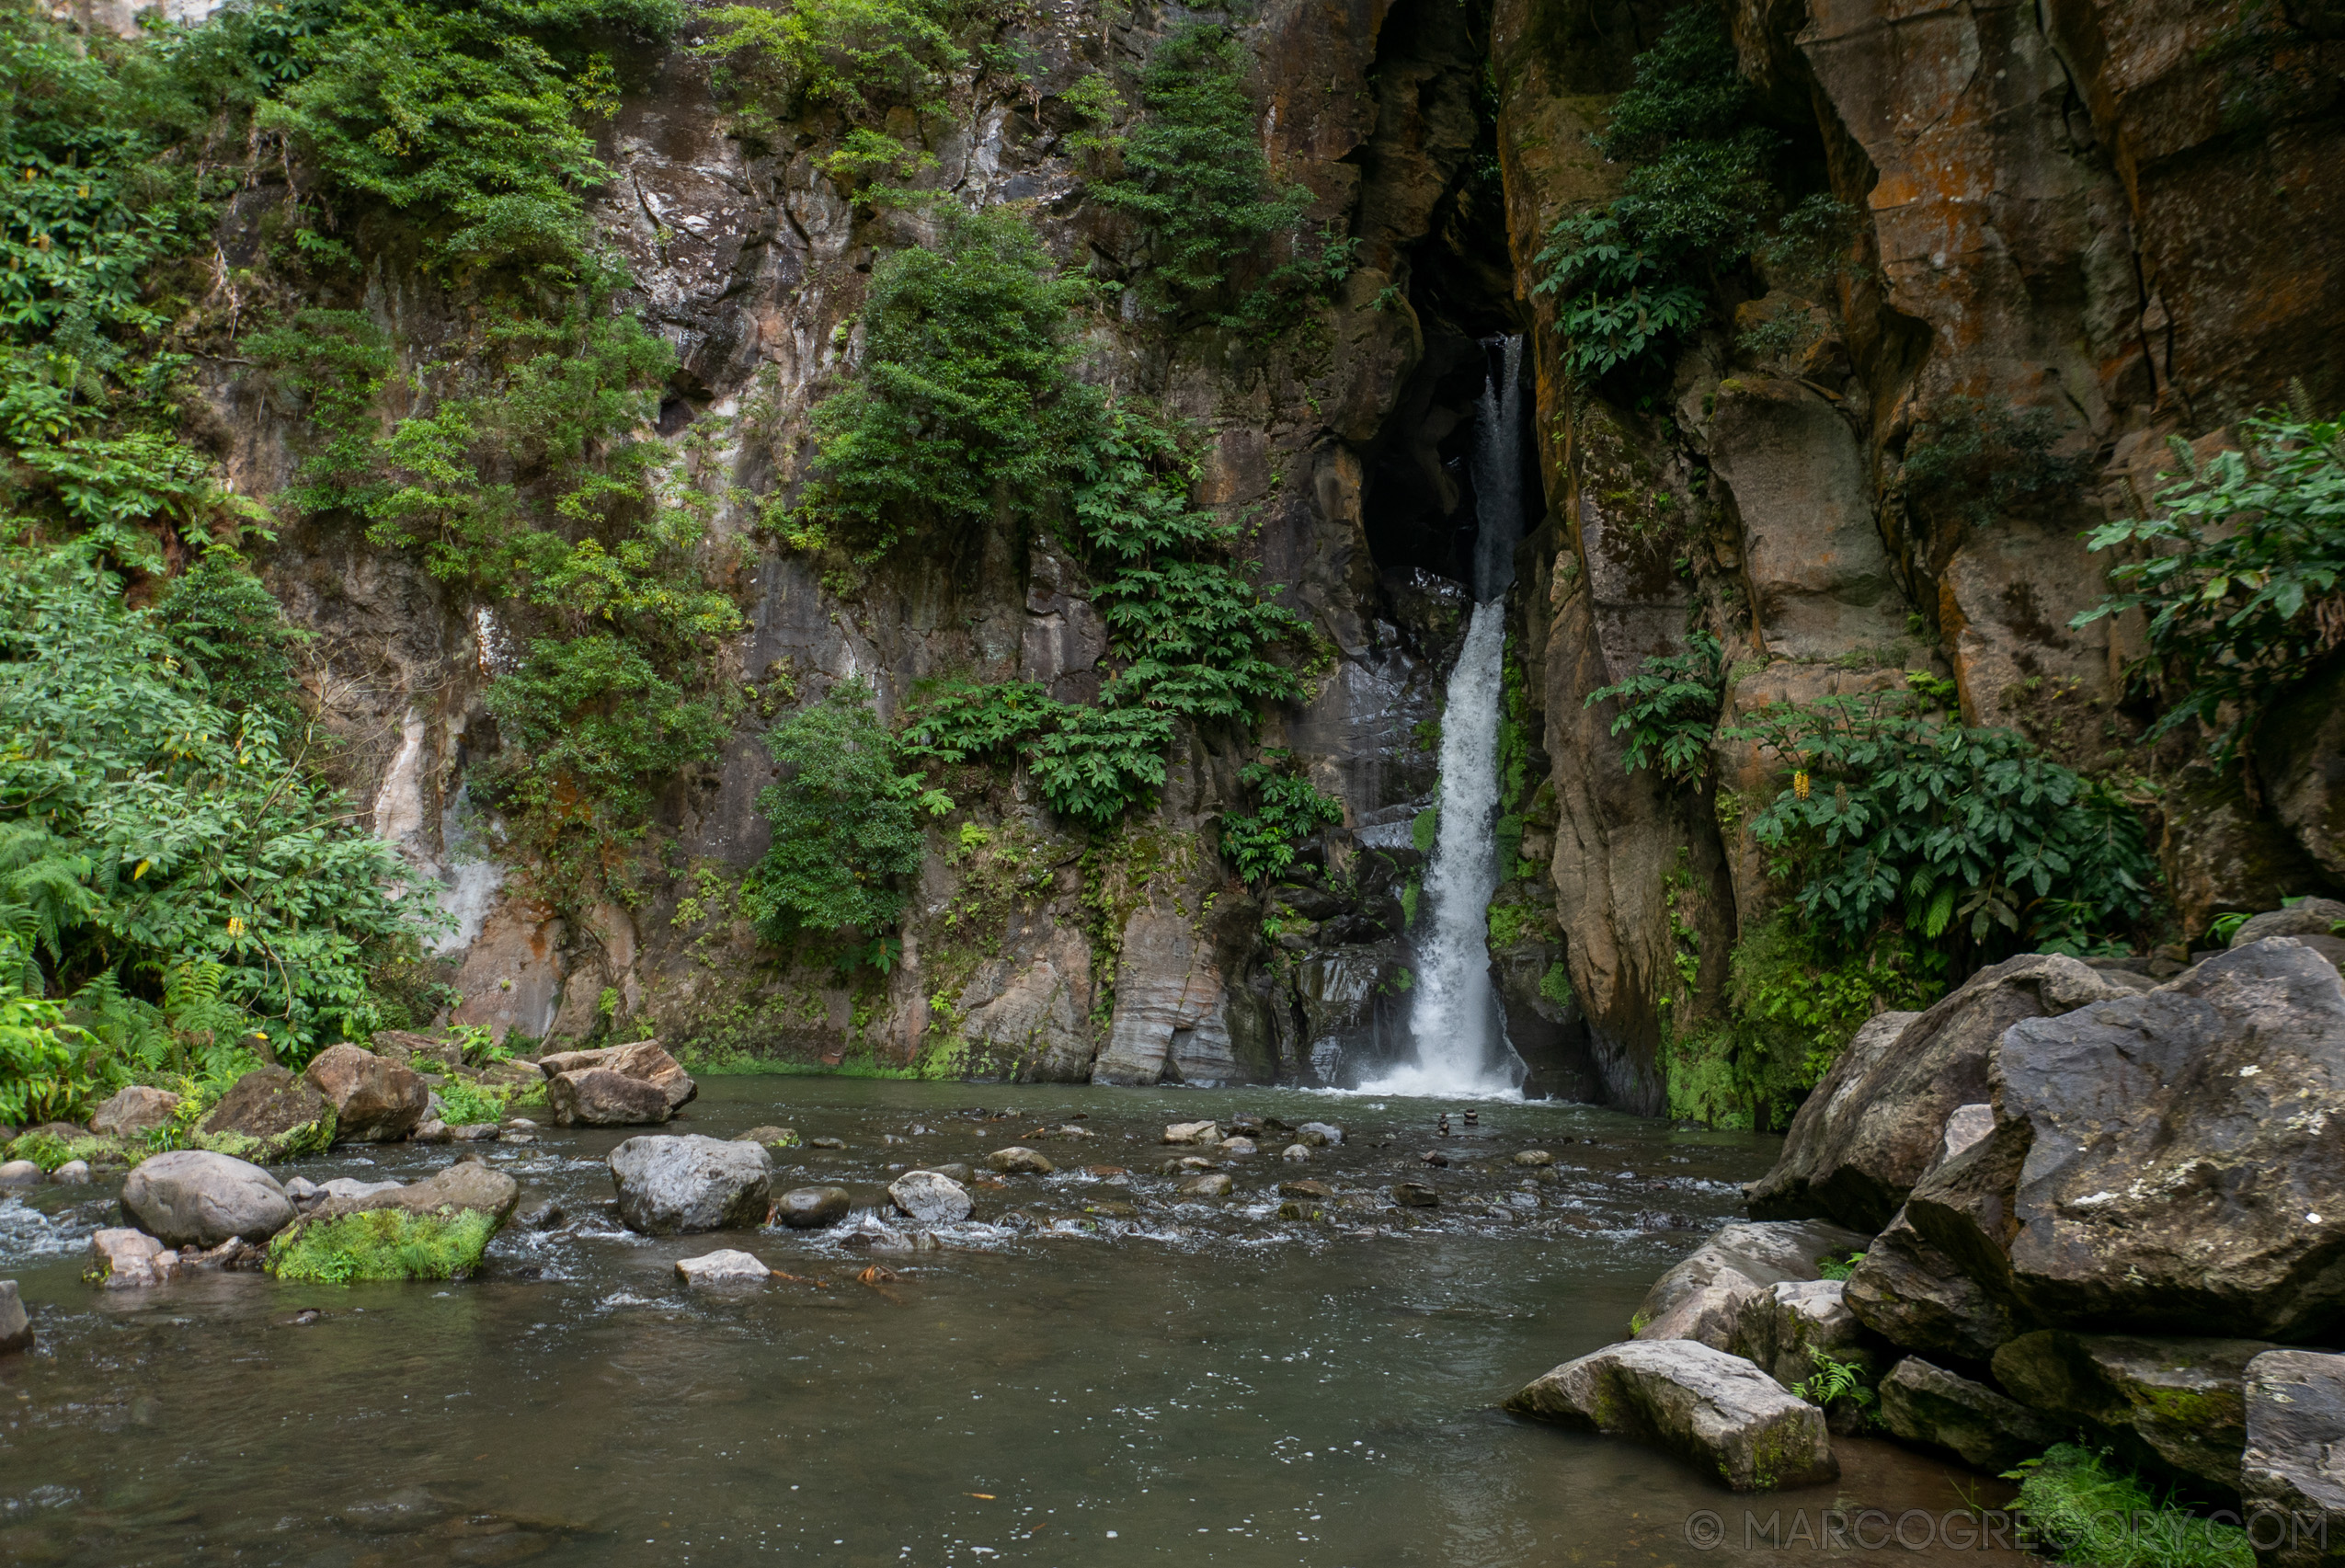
x=2173, y=1403
x=268, y=1117
x=434, y=1229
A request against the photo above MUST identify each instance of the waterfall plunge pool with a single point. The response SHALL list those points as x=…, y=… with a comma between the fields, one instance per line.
x=1160, y=1380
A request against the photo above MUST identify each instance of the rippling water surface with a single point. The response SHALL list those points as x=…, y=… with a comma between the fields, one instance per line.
x=1093, y=1372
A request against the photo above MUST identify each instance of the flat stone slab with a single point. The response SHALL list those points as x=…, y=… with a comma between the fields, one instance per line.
x=1716, y=1411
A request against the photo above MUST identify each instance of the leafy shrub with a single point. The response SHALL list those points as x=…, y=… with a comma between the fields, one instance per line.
x=965, y=405
x=464, y=117
x=382, y=1243
x=845, y=820
x=144, y=828
x=1194, y=175
x=1669, y=709
x=45, y=1068
x=1895, y=814
x=858, y=57
x=1700, y=196
x=466, y=1102
x=1262, y=844
x=2239, y=580
x=1838, y=1266
x=2091, y=1512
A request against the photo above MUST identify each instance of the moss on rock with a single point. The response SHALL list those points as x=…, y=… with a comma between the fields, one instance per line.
x=384, y=1243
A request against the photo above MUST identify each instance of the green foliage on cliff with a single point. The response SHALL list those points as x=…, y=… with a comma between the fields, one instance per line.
x=2238, y=569
x=965, y=408
x=1194, y=177
x=1261, y=843
x=1703, y=192
x=463, y=117
x=1898, y=814
x=1669, y=709
x=529, y=483
x=846, y=821
x=858, y=58
x=146, y=829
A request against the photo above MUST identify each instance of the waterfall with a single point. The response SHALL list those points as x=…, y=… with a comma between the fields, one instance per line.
x=1460, y=1035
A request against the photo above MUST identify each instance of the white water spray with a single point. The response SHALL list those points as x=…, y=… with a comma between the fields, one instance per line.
x=1460, y=1035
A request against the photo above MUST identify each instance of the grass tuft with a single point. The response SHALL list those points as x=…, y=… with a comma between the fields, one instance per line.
x=2090, y=1512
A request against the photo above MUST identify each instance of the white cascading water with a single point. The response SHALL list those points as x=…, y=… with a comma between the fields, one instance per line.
x=1460, y=1037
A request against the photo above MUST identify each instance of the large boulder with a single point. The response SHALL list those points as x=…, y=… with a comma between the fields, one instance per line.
x=2293, y=1467
x=438, y=1229
x=133, y=1111
x=1928, y=1404
x=1875, y=1125
x=931, y=1198
x=1703, y=1297
x=2169, y=1403
x=1918, y=1297
x=2161, y=1164
x=194, y=1197
x=641, y=1060
x=675, y=1184
x=812, y=1209
x=374, y=1100
x=1715, y=1409
x=597, y=1096
x=1784, y=1328
x=2307, y=917
x=268, y=1114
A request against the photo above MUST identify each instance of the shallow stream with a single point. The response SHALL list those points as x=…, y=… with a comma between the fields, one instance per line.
x=1093, y=1372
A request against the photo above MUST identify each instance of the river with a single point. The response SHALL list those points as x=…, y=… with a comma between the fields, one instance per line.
x=1093, y=1372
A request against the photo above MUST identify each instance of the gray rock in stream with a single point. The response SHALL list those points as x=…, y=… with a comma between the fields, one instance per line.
x=16, y=1329
x=812, y=1209
x=1715, y=1409
x=1702, y=1299
x=1784, y=1328
x=931, y=1198
x=1928, y=1404
x=678, y=1183
x=194, y=1197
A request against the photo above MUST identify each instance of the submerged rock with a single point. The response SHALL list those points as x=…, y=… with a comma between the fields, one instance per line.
x=672, y=1184
x=1703, y=1297
x=1928, y=1404
x=1193, y=1132
x=1296, y=1154
x=2295, y=1422
x=1319, y=1135
x=539, y=1214
x=1534, y=1157
x=931, y=1198
x=772, y=1136
x=1020, y=1162
x=812, y=1209
x=374, y=1100
x=2174, y=1403
x=16, y=1329
x=1213, y=1184
x=726, y=1267
x=134, y=1110
x=197, y=1197
x=1715, y=1409
x=1415, y=1195
x=128, y=1260
x=269, y=1116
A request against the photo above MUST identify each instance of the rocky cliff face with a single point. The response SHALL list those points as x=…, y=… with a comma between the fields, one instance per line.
x=2115, y=216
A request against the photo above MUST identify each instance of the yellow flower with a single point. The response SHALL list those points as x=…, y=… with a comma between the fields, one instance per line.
x=236, y=926
x=1799, y=784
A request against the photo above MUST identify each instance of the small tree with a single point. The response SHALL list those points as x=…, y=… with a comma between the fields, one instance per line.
x=845, y=821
